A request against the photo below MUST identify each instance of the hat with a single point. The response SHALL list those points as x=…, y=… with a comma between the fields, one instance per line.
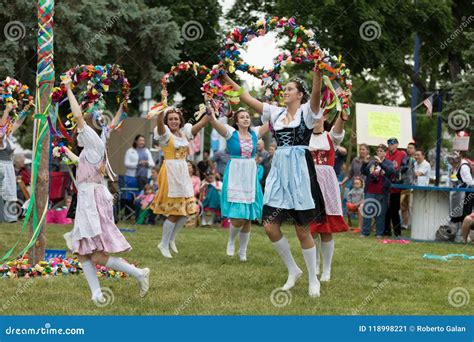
x=392, y=141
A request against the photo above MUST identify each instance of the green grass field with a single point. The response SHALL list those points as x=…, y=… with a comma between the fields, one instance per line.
x=368, y=278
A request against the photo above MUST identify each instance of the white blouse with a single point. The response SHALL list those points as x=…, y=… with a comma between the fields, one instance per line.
x=319, y=142
x=276, y=115
x=178, y=141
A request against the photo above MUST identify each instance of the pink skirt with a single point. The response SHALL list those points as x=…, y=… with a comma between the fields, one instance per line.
x=111, y=239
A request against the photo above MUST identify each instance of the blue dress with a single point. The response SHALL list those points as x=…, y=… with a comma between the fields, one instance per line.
x=242, y=196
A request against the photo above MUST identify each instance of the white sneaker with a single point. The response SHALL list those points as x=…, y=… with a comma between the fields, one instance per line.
x=230, y=249
x=165, y=251
x=243, y=256
x=291, y=281
x=326, y=276
x=144, y=282
x=314, y=290
x=173, y=247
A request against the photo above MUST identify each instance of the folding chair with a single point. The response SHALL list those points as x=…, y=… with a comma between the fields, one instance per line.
x=128, y=190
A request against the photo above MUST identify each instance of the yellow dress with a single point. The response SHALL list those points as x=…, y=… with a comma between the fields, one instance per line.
x=175, y=194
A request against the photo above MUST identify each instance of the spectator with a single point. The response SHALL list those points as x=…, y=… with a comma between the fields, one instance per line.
x=356, y=164
x=408, y=178
x=355, y=198
x=392, y=219
x=261, y=152
x=468, y=228
x=154, y=178
x=220, y=160
x=143, y=202
x=422, y=169
x=23, y=178
x=341, y=154
x=260, y=169
x=139, y=161
x=196, y=181
x=211, y=199
x=204, y=165
x=267, y=163
x=377, y=189
x=460, y=202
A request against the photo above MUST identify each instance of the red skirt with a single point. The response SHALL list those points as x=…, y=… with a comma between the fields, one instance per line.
x=331, y=224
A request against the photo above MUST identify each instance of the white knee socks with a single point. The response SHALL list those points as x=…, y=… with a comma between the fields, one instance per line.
x=91, y=276
x=230, y=243
x=177, y=227
x=121, y=265
x=243, y=243
x=317, y=244
x=327, y=249
x=141, y=275
x=168, y=228
x=309, y=256
x=294, y=272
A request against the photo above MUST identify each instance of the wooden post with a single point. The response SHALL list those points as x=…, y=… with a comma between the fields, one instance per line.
x=44, y=87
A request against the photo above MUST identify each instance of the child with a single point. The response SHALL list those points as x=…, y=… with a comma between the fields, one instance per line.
x=211, y=192
x=355, y=197
x=144, y=200
x=95, y=235
x=59, y=215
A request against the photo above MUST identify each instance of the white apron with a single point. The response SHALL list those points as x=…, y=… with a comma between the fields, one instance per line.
x=179, y=180
x=242, y=179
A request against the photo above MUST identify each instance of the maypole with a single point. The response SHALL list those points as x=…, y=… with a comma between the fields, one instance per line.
x=41, y=138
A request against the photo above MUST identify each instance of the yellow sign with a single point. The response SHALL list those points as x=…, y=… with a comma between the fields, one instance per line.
x=383, y=125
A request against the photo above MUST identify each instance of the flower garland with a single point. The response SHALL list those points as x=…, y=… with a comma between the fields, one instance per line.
x=99, y=79
x=304, y=49
x=199, y=71
x=12, y=91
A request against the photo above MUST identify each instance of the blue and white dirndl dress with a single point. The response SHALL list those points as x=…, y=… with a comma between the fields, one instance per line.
x=242, y=196
x=291, y=188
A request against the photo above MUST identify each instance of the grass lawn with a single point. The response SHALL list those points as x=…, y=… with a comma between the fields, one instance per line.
x=368, y=278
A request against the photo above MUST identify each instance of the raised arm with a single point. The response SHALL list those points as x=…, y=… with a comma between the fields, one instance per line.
x=57, y=153
x=246, y=98
x=316, y=93
x=199, y=125
x=264, y=129
x=216, y=124
x=6, y=113
x=118, y=117
x=75, y=108
x=338, y=125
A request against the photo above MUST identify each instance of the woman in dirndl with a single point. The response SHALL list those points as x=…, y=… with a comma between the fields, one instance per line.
x=175, y=197
x=291, y=188
x=242, y=196
x=323, y=144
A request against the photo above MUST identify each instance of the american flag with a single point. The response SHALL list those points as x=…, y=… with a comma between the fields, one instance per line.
x=338, y=89
x=428, y=103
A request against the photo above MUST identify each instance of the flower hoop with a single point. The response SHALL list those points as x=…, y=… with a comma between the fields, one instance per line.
x=303, y=49
x=99, y=79
x=12, y=91
x=197, y=70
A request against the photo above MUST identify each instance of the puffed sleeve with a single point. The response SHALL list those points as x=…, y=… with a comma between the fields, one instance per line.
x=230, y=131
x=94, y=147
x=337, y=138
x=162, y=139
x=309, y=117
x=187, y=131
x=270, y=113
x=256, y=130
